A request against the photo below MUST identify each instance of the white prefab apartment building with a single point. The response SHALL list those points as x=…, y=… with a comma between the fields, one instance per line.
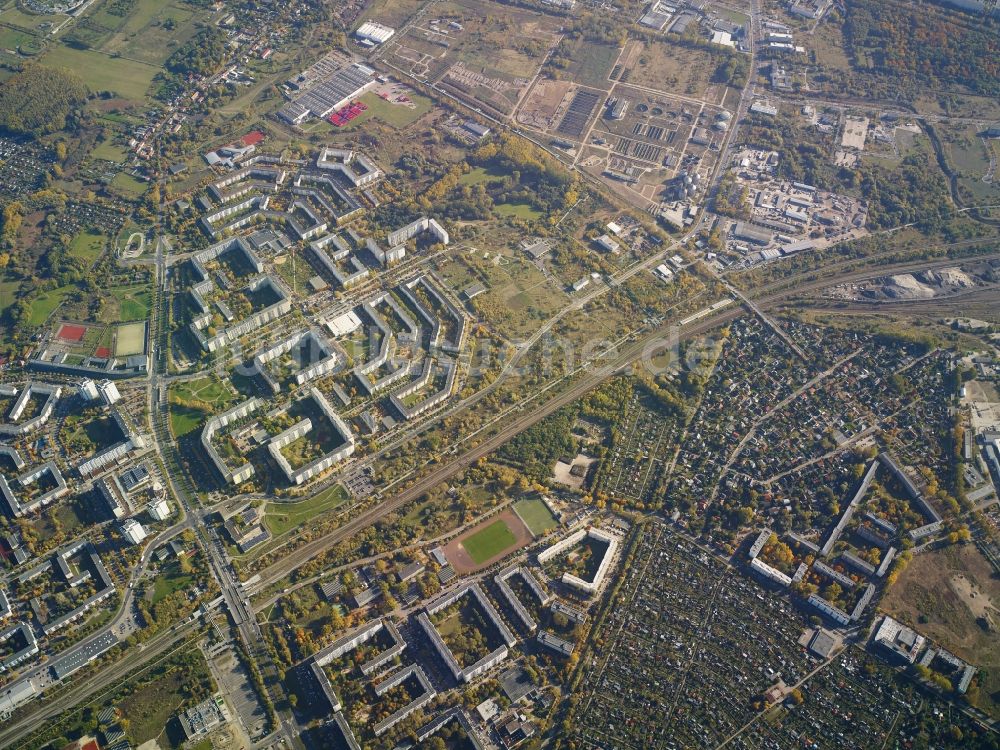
x=237, y=474
x=304, y=427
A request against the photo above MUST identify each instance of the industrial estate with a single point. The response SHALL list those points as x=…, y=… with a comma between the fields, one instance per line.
x=470, y=374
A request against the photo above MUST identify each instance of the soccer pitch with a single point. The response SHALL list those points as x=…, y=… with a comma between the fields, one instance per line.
x=130, y=339
x=489, y=542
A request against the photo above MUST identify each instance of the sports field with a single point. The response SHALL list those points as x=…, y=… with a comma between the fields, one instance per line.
x=71, y=332
x=536, y=516
x=487, y=542
x=130, y=339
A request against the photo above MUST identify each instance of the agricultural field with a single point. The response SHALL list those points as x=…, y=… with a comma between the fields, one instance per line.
x=129, y=79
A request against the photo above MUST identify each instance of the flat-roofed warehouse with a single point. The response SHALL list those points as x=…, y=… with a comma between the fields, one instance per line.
x=373, y=32
x=330, y=94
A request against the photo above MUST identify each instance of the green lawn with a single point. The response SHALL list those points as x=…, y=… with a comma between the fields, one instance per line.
x=12, y=38
x=536, y=515
x=479, y=175
x=518, y=210
x=185, y=416
x=31, y=21
x=184, y=420
x=46, y=303
x=87, y=246
x=128, y=186
x=169, y=581
x=283, y=517
x=109, y=152
x=489, y=542
x=134, y=302
x=127, y=78
x=8, y=294
x=396, y=115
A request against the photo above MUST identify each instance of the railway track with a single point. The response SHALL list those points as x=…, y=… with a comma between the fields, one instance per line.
x=633, y=351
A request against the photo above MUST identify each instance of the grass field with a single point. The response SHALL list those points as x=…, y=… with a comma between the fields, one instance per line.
x=536, y=515
x=87, y=246
x=8, y=294
x=12, y=38
x=130, y=339
x=46, y=303
x=109, y=152
x=186, y=398
x=134, y=302
x=127, y=78
x=489, y=542
x=479, y=175
x=396, y=115
x=150, y=705
x=128, y=186
x=518, y=210
x=30, y=21
x=591, y=64
x=673, y=68
x=283, y=517
x=169, y=581
x=145, y=35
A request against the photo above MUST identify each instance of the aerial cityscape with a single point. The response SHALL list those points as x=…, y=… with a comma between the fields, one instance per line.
x=494, y=374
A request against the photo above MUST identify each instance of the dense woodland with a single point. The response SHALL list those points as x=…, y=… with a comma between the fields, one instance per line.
x=200, y=55
x=931, y=45
x=39, y=100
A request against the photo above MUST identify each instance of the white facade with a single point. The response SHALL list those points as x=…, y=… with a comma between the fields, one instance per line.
x=243, y=472
x=303, y=427
x=375, y=33
x=159, y=510
x=88, y=390
x=133, y=531
x=591, y=587
x=109, y=392
x=344, y=325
